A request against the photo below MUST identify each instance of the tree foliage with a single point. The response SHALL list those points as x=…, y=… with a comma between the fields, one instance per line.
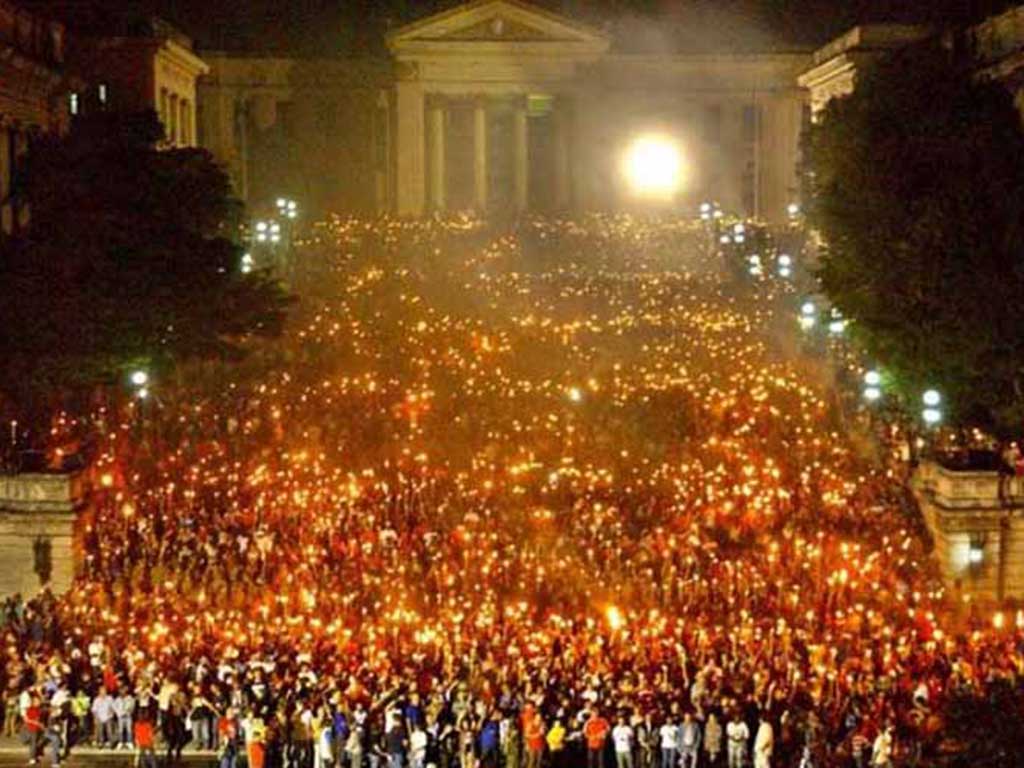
x=916, y=185
x=129, y=258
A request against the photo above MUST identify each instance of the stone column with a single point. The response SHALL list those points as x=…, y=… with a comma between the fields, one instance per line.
x=562, y=117
x=435, y=136
x=172, y=121
x=480, y=155
x=409, y=146
x=522, y=157
x=6, y=170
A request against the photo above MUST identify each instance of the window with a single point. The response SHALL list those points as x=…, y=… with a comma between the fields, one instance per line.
x=101, y=93
x=74, y=103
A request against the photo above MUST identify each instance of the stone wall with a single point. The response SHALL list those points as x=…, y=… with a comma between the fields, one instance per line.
x=978, y=531
x=37, y=531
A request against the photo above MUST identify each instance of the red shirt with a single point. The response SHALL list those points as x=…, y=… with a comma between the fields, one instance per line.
x=34, y=718
x=143, y=734
x=595, y=730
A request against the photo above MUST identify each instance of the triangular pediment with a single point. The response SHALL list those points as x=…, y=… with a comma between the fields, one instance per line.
x=497, y=21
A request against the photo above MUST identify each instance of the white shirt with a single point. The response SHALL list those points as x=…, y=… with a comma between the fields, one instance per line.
x=737, y=731
x=622, y=735
x=765, y=739
x=669, y=735
x=882, y=749
x=418, y=742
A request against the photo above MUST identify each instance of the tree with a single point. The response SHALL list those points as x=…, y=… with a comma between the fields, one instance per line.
x=916, y=185
x=129, y=259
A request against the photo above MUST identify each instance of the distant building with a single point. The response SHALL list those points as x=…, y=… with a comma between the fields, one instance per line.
x=502, y=107
x=33, y=97
x=834, y=67
x=130, y=62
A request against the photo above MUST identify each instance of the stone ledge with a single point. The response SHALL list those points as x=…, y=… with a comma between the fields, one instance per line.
x=969, y=490
x=42, y=492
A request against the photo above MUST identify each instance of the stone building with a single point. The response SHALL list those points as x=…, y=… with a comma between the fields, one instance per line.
x=149, y=65
x=33, y=96
x=316, y=130
x=502, y=107
x=130, y=62
x=975, y=520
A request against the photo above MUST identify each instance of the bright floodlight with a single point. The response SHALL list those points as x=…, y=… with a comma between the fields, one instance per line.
x=872, y=378
x=931, y=398
x=785, y=260
x=139, y=378
x=653, y=166
x=808, y=308
x=931, y=415
x=872, y=393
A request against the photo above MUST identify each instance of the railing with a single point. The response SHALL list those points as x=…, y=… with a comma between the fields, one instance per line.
x=969, y=489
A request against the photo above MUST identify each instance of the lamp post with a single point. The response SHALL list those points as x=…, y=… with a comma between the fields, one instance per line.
x=931, y=414
x=872, y=386
x=808, y=315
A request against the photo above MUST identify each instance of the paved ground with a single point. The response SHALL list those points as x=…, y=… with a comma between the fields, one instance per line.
x=13, y=752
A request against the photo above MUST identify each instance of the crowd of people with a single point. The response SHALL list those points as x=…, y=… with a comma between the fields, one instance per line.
x=553, y=496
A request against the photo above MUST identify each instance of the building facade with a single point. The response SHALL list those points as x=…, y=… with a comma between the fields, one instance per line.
x=33, y=97
x=500, y=107
x=316, y=130
x=150, y=65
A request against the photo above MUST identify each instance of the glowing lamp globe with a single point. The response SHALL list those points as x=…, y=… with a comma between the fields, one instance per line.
x=653, y=166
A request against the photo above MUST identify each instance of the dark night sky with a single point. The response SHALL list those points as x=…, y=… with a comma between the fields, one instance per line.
x=312, y=27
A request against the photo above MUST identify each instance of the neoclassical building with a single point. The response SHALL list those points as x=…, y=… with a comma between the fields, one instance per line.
x=499, y=106
x=503, y=107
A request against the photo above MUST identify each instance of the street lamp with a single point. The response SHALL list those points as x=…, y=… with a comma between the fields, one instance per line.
x=793, y=209
x=139, y=378
x=931, y=413
x=654, y=166
x=808, y=315
x=837, y=325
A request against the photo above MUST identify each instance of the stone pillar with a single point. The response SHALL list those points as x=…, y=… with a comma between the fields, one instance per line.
x=409, y=145
x=435, y=136
x=23, y=209
x=480, y=155
x=522, y=158
x=172, y=120
x=562, y=117
x=781, y=123
x=6, y=168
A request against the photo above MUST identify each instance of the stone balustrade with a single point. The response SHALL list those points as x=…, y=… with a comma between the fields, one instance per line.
x=42, y=492
x=38, y=512
x=976, y=519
